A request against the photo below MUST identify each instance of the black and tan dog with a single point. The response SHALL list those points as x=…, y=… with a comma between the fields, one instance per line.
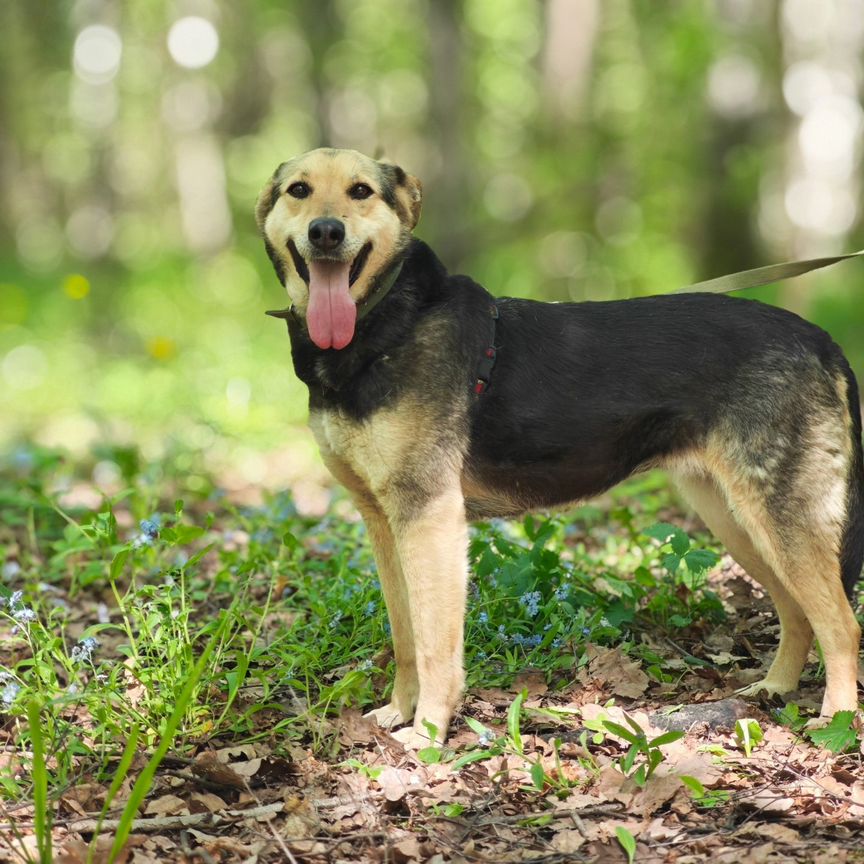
x=752, y=410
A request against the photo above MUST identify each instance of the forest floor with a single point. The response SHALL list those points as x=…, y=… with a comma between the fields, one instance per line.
x=183, y=675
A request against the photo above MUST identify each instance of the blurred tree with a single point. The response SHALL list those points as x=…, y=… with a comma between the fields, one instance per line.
x=569, y=150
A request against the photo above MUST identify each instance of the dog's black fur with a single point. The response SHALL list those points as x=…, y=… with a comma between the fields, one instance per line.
x=583, y=394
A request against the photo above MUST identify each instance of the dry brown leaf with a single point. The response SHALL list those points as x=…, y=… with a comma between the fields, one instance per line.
x=355, y=729
x=205, y=802
x=567, y=840
x=769, y=801
x=774, y=831
x=533, y=681
x=408, y=849
x=167, y=805
x=623, y=676
x=656, y=792
x=209, y=766
x=611, y=786
x=397, y=782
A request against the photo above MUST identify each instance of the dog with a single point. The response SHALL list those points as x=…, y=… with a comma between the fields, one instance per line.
x=435, y=403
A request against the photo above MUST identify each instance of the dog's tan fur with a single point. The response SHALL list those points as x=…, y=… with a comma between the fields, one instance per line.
x=330, y=174
x=405, y=469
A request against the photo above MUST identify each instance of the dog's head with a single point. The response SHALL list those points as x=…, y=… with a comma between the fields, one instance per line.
x=333, y=222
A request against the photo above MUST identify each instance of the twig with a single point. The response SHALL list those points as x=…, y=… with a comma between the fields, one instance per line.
x=169, y=823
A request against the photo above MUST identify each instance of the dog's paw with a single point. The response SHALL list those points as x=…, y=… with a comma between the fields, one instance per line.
x=411, y=739
x=765, y=687
x=387, y=716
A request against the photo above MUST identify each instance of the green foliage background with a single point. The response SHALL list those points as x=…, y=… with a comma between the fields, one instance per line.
x=570, y=149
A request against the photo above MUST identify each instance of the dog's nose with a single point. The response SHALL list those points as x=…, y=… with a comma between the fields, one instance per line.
x=326, y=234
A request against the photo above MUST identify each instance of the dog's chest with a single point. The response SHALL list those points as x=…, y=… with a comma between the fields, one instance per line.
x=373, y=449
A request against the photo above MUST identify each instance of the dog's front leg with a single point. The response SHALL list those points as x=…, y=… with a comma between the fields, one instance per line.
x=403, y=699
x=433, y=550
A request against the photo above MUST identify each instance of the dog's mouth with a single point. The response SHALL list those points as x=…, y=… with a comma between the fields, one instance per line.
x=359, y=263
x=354, y=271
x=331, y=313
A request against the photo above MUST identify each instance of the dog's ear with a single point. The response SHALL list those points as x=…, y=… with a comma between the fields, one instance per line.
x=405, y=192
x=268, y=197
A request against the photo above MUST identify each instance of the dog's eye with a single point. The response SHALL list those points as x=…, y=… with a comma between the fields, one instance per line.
x=298, y=190
x=359, y=191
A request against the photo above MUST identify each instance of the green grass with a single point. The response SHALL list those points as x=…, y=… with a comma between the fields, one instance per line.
x=171, y=616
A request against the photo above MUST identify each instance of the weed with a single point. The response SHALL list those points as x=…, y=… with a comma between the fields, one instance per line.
x=649, y=749
x=748, y=733
x=839, y=735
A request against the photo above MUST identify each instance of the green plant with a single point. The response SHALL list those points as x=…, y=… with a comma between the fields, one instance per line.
x=703, y=797
x=145, y=779
x=42, y=815
x=748, y=733
x=839, y=735
x=628, y=843
x=640, y=744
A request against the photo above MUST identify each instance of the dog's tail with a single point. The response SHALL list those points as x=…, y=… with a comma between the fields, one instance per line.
x=852, y=549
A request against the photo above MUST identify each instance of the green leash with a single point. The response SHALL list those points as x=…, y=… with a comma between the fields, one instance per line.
x=763, y=275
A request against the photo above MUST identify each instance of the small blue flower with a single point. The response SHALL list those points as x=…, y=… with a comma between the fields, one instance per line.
x=150, y=527
x=24, y=615
x=556, y=642
x=387, y=628
x=486, y=737
x=562, y=592
x=483, y=618
x=586, y=631
x=531, y=601
x=83, y=651
x=9, y=692
x=15, y=599
x=334, y=621
x=365, y=666
x=482, y=655
x=502, y=633
x=371, y=606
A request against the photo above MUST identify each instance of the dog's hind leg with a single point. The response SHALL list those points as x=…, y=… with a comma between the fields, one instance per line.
x=812, y=577
x=796, y=635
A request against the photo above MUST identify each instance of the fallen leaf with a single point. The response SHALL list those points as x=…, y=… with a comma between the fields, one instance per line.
x=567, y=840
x=167, y=805
x=209, y=766
x=623, y=676
x=205, y=802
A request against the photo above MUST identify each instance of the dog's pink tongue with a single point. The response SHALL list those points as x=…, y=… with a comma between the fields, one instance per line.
x=331, y=313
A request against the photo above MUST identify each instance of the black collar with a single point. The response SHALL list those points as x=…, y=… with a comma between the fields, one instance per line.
x=487, y=360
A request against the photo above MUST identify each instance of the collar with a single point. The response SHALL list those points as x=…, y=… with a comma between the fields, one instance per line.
x=487, y=359
x=375, y=296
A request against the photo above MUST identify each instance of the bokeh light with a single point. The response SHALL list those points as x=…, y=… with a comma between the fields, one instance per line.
x=193, y=42
x=96, y=54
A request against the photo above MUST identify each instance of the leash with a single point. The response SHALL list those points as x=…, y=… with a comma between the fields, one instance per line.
x=720, y=285
x=764, y=275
